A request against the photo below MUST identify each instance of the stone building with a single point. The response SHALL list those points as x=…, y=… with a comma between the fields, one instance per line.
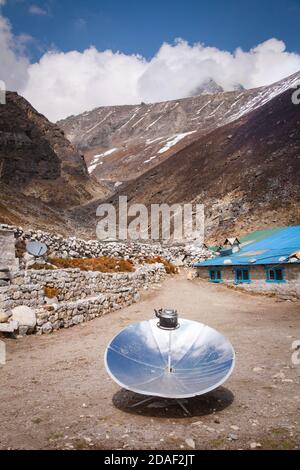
x=267, y=261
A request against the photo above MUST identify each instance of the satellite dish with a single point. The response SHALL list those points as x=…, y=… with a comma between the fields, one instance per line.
x=189, y=360
x=36, y=248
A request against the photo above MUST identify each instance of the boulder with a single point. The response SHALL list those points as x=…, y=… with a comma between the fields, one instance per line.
x=47, y=328
x=25, y=316
x=4, y=275
x=4, y=316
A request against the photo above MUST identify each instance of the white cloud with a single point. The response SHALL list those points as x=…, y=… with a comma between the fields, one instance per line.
x=13, y=62
x=36, y=10
x=64, y=83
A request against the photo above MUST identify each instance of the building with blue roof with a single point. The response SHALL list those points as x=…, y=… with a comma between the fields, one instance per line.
x=265, y=260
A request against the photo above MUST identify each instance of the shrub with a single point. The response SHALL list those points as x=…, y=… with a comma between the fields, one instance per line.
x=51, y=292
x=41, y=266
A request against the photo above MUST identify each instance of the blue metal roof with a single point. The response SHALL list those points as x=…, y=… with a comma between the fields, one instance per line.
x=273, y=249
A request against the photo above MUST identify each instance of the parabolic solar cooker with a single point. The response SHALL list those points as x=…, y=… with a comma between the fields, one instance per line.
x=169, y=357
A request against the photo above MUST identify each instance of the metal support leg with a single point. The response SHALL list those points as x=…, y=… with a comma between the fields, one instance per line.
x=183, y=407
x=141, y=402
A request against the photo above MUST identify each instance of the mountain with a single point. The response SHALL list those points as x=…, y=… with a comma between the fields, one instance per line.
x=41, y=172
x=246, y=172
x=236, y=152
x=208, y=87
x=120, y=143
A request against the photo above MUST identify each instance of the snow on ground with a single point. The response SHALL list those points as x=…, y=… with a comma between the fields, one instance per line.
x=154, y=122
x=98, y=123
x=169, y=144
x=130, y=119
x=215, y=110
x=96, y=159
x=266, y=94
x=206, y=104
x=152, y=141
x=174, y=140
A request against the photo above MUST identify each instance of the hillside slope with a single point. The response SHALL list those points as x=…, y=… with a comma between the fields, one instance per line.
x=122, y=142
x=39, y=168
x=246, y=173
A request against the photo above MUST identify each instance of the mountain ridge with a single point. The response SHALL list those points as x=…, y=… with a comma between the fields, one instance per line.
x=122, y=142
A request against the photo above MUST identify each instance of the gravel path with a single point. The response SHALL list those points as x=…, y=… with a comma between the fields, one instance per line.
x=55, y=393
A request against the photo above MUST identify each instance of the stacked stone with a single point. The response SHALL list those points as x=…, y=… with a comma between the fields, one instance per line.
x=81, y=296
x=78, y=248
x=64, y=315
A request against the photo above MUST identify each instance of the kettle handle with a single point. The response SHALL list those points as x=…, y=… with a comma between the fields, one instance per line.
x=157, y=312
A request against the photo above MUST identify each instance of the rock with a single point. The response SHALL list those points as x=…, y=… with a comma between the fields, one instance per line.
x=9, y=327
x=47, y=328
x=257, y=369
x=280, y=375
x=190, y=443
x=51, y=301
x=4, y=316
x=255, y=445
x=23, y=330
x=4, y=275
x=235, y=428
x=25, y=316
x=233, y=437
x=190, y=276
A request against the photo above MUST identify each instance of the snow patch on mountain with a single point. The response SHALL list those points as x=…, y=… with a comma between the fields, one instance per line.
x=94, y=163
x=174, y=140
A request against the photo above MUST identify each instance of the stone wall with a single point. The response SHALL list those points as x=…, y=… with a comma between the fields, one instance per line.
x=79, y=296
x=77, y=248
x=291, y=286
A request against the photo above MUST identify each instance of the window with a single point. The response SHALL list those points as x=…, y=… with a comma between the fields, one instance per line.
x=275, y=275
x=242, y=275
x=215, y=275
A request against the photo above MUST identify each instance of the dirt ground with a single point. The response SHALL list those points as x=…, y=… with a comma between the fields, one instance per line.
x=56, y=394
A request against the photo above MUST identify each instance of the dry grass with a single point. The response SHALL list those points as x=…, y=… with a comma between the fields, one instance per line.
x=103, y=264
x=51, y=292
x=41, y=266
x=169, y=267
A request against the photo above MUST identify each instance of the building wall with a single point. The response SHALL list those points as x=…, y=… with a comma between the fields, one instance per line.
x=258, y=283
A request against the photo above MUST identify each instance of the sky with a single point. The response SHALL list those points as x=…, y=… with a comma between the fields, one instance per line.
x=67, y=56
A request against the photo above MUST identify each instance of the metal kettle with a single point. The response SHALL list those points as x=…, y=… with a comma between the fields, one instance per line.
x=168, y=318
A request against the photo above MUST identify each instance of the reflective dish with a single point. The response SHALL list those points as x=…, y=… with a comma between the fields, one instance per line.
x=189, y=361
